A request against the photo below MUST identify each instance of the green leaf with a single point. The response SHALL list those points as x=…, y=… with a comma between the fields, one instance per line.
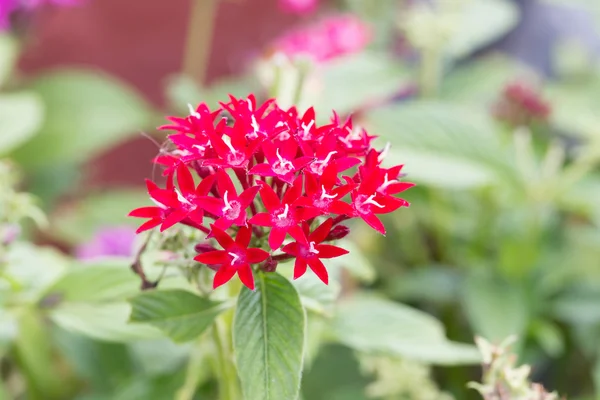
x=579, y=304
x=379, y=326
x=108, y=280
x=34, y=268
x=480, y=82
x=495, y=309
x=268, y=338
x=315, y=295
x=439, y=128
x=9, y=51
x=102, y=321
x=355, y=262
x=574, y=106
x=35, y=359
x=21, y=116
x=423, y=167
x=359, y=79
x=87, y=113
x=181, y=315
x=481, y=23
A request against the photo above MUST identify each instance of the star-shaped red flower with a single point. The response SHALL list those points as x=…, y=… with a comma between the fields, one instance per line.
x=282, y=216
x=308, y=250
x=235, y=257
x=230, y=208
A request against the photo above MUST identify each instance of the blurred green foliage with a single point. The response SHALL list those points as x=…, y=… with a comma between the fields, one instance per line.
x=502, y=237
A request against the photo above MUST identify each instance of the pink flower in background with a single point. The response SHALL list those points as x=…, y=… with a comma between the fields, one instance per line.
x=327, y=39
x=298, y=6
x=108, y=241
x=7, y=7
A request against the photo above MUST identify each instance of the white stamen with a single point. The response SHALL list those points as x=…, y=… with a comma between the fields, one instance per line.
x=228, y=144
x=324, y=194
x=386, y=183
x=284, y=214
x=249, y=104
x=326, y=160
x=306, y=128
x=161, y=205
x=193, y=112
x=234, y=256
x=373, y=202
x=199, y=148
x=181, y=198
x=279, y=124
x=227, y=204
x=311, y=248
x=384, y=152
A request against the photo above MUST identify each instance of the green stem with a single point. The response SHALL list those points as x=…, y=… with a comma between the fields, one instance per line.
x=227, y=378
x=199, y=39
x=431, y=72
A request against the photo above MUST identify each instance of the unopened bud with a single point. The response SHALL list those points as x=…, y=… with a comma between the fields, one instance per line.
x=338, y=232
x=269, y=266
x=202, y=248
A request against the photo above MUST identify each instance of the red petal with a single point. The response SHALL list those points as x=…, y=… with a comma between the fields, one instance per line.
x=321, y=232
x=223, y=275
x=248, y=196
x=173, y=218
x=374, y=222
x=223, y=223
x=149, y=225
x=276, y=237
x=205, y=185
x=213, y=257
x=299, y=267
x=225, y=184
x=256, y=255
x=396, y=188
x=243, y=237
x=297, y=233
x=319, y=269
x=211, y=204
x=329, y=251
x=291, y=248
x=262, y=170
x=339, y=207
x=261, y=219
x=146, y=212
x=293, y=191
x=307, y=213
x=245, y=274
x=223, y=238
x=269, y=197
x=185, y=180
x=311, y=185
x=389, y=204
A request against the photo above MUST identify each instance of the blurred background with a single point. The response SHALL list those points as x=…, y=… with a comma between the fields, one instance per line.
x=492, y=105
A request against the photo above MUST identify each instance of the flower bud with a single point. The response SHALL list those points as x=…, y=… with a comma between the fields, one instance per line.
x=338, y=232
x=269, y=265
x=202, y=248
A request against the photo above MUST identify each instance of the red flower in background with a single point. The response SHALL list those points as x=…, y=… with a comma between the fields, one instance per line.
x=304, y=173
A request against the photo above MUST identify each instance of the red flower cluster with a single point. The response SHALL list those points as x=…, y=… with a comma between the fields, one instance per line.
x=293, y=177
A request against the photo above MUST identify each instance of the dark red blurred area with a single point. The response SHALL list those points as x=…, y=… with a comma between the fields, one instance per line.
x=142, y=43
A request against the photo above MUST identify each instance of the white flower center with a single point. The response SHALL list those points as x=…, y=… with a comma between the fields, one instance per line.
x=318, y=166
x=283, y=166
x=193, y=112
x=363, y=202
